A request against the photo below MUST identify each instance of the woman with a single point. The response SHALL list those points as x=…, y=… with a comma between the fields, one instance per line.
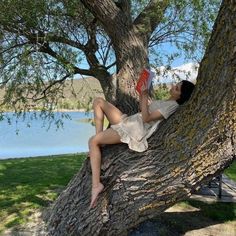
x=133, y=130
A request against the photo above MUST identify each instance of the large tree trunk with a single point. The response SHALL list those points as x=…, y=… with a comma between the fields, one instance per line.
x=130, y=43
x=131, y=57
x=193, y=145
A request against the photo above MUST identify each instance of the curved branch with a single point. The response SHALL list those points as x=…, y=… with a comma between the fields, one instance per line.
x=45, y=48
x=59, y=39
x=89, y=49
x=51, y=85
x=149, y=21
x=111, y=65
x=43, y=38
x=14, y=46
x=109, y=14
x=124, y=5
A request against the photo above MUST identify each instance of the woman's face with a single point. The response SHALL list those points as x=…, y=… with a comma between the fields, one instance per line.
x=175, y=90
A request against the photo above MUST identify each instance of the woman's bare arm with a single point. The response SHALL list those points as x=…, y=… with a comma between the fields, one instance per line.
x=146, y=115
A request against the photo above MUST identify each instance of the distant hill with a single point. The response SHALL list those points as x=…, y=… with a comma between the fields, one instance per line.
x=79, y=93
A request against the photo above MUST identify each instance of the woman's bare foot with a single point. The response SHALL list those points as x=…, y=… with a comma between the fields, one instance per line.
x=95, y=192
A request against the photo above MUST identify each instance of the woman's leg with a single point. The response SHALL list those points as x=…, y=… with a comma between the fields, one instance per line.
x=108, y=136
x=101, y=107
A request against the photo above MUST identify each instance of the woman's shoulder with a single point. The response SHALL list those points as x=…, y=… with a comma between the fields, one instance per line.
x=171, y=102
x=165, y=102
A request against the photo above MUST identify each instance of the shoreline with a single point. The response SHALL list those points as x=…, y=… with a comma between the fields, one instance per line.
x=56, y=110
x=72, y=110
x=44, y=156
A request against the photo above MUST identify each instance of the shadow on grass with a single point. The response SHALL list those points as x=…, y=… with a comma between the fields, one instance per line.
x=178, y=223
x=27, y=184
x=32, y=183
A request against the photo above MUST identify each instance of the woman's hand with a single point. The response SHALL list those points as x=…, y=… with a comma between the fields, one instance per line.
x=144, y=89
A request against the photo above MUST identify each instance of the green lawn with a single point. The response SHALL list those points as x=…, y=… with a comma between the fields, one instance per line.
x=231, y=171
x=29, y=184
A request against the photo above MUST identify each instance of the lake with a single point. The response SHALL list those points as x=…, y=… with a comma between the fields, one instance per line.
x=31, y=138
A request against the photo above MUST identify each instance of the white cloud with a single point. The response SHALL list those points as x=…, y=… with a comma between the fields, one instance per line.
x=187, y=71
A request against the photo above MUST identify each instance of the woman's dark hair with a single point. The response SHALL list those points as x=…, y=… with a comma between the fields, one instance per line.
x=187, y=88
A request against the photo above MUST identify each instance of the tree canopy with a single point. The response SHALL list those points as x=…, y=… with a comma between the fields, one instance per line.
x=42, y=43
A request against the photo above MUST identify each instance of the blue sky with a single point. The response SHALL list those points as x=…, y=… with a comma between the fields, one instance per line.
x=166, y=48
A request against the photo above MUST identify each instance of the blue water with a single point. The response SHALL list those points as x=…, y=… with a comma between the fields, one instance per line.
x=31, y=138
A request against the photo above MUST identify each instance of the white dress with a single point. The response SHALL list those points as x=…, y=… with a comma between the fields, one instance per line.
x=135, y=132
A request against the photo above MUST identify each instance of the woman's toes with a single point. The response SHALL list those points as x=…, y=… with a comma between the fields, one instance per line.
x=95, y=192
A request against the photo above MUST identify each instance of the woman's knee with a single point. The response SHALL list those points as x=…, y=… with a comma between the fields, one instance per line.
x=92, y=141
x=99, y=101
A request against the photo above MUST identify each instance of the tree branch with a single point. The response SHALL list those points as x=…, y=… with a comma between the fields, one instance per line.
x=147, y=20
x=44, y=92
x=45, y=48
x=14, y=46
x=111, y=65
x=110, y=14
x=42, y=38
x=124, y=5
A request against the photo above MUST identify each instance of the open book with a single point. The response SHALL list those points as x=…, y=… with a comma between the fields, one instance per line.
x=146, y=76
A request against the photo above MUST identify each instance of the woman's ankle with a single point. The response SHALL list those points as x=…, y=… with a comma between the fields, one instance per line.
x=97, y=185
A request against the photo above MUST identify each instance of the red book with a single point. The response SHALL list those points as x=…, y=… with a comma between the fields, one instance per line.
x=145, y=76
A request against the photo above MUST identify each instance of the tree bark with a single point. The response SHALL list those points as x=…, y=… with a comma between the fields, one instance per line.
x=192, y=146
x=131, y=57
x=130, y=43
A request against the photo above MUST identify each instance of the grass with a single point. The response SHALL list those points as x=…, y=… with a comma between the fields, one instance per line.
x=29, y=184
x=231, y=171
x=218, y=211
x=193, y=215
